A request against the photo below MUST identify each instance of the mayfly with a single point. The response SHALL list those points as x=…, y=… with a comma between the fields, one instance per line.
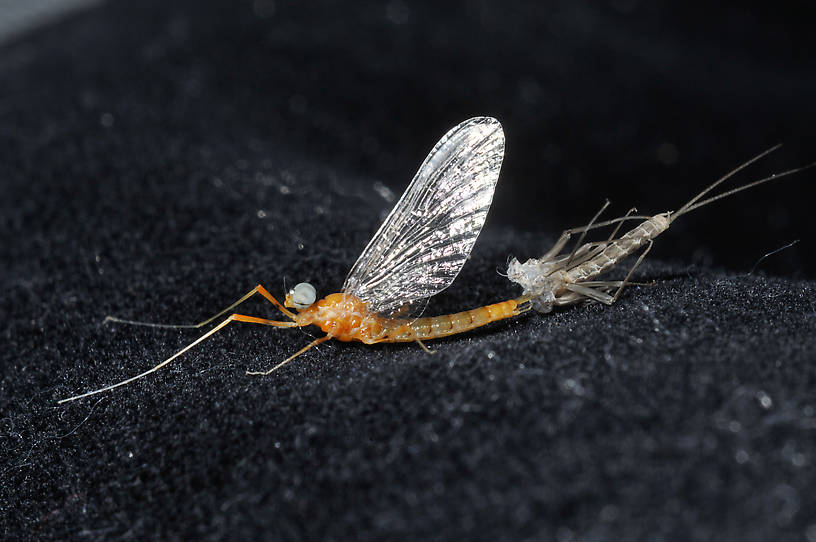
x=417, y=252
x=558, y=279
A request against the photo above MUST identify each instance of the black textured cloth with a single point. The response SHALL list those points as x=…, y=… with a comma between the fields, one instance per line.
x=157, y=162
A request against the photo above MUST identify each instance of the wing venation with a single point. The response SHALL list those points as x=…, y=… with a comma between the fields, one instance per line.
x=426, y=239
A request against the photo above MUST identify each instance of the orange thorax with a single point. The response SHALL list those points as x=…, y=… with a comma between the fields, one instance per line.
x=344, y=317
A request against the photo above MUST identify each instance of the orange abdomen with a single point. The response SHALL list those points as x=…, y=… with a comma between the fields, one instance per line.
x=449, y=324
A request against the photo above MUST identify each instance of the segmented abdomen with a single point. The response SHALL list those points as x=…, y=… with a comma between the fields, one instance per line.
x=619, y=249
x=449, y=324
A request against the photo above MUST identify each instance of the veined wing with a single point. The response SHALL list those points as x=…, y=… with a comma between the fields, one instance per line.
x=425, y=240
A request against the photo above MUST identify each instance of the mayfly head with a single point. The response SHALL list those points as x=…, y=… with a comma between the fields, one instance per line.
x=534, y=277
x=302, y=296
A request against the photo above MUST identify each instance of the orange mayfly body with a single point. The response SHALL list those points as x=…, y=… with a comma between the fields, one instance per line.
x=417, y=252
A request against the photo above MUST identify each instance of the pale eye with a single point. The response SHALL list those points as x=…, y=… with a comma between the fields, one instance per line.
x=303, y=295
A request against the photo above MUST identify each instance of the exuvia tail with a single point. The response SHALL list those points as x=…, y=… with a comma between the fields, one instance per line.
x=695, y=202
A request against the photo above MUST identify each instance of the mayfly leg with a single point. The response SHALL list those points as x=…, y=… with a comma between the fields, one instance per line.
x=583, y=233
x=566, y=235
x=588, y=251
x=425, y=348
x=627, y=216
x=290, y=358
x=213, y=331
x=257, y=290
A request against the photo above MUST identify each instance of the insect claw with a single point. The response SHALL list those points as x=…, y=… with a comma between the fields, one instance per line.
x=427, y=350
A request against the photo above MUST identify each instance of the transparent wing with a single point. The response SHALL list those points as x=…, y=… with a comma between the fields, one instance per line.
x=424, y=242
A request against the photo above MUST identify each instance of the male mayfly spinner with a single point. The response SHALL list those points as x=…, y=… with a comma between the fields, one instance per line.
x=417, y=252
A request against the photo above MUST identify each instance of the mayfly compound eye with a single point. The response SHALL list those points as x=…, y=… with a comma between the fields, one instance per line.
x=303, y=295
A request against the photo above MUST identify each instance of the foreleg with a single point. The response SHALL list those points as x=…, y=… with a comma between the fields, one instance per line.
x=257, y=290
x=232, y=318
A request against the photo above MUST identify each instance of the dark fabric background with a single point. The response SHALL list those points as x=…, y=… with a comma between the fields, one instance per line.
x=159, y=161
